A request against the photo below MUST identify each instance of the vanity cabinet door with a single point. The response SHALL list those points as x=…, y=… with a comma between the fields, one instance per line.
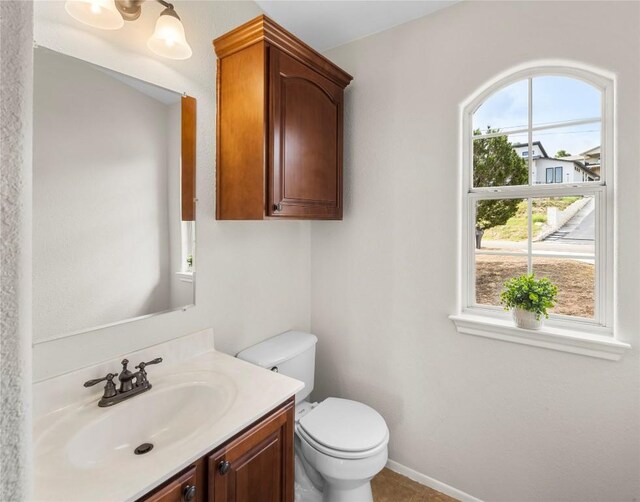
x=257, y=466
x=305, y=129
x=188, y=486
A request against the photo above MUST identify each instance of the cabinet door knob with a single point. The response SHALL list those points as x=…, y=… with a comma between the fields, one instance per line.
x=189, y=493
x=224, y=466
x=277, y=207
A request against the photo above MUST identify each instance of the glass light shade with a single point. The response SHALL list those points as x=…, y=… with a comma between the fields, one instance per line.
x=168, y=38
x=101, y=14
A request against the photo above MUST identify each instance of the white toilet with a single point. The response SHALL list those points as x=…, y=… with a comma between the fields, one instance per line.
x=341, y=443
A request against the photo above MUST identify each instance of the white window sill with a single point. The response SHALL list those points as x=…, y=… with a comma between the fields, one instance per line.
x=564, y=340
x=185, y=276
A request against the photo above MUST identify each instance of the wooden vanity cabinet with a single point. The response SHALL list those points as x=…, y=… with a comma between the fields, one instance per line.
x=256, y=465
x=279, y=126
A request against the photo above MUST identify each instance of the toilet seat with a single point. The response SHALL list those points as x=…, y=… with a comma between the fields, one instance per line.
x=344, y=429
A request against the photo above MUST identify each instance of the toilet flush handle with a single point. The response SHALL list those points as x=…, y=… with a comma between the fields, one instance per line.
x=274, y=369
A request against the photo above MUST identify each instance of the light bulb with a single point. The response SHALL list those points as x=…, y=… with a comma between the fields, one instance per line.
x=101, y=14
x=168, y=39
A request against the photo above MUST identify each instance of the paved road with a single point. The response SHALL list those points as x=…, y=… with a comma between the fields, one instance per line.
x=581, y=229
x=576, y=237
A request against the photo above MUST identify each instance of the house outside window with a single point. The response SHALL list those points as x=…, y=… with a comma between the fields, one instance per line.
x=518, y=213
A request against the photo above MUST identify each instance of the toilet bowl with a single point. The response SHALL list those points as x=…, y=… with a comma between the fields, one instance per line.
x=340, y=444
x=343, y=443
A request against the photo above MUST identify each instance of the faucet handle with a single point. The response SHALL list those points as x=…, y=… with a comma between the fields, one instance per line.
x=109, y=377
x=109, y=388
x=141, y=366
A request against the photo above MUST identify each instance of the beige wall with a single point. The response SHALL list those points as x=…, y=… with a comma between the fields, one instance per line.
x=253, y=277
x=497, y=420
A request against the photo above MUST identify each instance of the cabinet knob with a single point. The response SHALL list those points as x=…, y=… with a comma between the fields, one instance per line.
x=277, y=207
x=224, y=466
x=189, y=493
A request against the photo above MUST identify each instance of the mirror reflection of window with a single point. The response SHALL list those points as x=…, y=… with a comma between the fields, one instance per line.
x=188, y=247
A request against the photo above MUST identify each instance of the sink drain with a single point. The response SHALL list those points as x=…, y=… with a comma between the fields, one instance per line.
x=143, y=448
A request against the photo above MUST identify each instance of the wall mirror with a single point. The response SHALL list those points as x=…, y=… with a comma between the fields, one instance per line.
x=113, y=197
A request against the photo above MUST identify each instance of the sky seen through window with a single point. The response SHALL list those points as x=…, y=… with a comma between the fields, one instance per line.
x=555, y=99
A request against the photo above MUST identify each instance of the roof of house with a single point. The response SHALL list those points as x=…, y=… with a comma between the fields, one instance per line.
x=537, y=143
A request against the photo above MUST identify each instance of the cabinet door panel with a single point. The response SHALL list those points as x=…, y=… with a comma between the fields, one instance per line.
x=259, y=463
x=258, y=473
x=306, y=137
x=186, y=487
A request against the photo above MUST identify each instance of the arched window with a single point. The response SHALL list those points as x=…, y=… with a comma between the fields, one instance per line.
x=537, y=193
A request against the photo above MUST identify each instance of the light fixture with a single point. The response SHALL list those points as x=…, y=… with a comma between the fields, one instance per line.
x=168, y=39
x=101, y=14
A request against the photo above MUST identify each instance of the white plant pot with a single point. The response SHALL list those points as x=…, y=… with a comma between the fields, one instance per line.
x=526, y=320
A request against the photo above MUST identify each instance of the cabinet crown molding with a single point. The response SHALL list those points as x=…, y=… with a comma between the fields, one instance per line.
x=264, y=29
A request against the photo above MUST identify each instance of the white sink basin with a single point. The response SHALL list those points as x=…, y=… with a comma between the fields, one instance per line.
x=176, y=408
x=160, y=416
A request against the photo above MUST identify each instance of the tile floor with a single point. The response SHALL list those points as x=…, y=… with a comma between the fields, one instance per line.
x=389, y=486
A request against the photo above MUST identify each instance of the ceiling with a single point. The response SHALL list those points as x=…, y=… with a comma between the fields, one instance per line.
x=324, y=24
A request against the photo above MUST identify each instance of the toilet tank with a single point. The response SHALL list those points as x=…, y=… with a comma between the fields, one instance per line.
x=292, y=353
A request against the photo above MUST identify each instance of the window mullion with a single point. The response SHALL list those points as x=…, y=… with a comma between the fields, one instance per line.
x=529, y=236
x=542, y=190
x=529, y=131
x=542, y=127
x=600, y=275
x=471, y=290
x=530, y=165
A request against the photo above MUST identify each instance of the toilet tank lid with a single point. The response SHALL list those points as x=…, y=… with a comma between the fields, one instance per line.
x=278, y=349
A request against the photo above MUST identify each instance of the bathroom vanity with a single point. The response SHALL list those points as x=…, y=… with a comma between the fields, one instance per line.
x=221, y=429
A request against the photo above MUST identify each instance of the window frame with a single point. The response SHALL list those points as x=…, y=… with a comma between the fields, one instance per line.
x=187, y=246
x=602, y=324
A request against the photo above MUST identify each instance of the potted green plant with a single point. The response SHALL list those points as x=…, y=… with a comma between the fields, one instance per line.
x=528, y=299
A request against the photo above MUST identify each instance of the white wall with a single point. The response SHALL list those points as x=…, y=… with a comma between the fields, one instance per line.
x=569, y=174
x=252, y=277
x=101, y=243
x=500, y=421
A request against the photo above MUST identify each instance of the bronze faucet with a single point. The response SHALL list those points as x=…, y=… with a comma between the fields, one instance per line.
x=128, y=388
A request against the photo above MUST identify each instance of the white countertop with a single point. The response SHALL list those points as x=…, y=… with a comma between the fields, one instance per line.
x=249, y=393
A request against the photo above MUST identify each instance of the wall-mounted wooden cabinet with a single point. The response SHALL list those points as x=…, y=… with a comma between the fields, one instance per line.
x=254, y=466
x=279, y=126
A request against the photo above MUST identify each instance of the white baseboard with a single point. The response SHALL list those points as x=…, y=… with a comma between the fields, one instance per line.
x=423, y=479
